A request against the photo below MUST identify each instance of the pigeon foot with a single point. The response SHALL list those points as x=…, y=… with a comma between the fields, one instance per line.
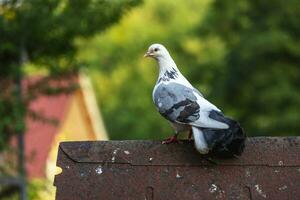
x=170, y=140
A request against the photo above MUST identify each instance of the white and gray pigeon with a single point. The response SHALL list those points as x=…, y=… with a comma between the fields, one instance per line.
x=187, y=110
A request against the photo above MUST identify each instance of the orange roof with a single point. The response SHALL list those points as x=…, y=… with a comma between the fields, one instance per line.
x=40, y=135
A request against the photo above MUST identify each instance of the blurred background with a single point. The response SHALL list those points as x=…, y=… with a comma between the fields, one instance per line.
x=74, y=70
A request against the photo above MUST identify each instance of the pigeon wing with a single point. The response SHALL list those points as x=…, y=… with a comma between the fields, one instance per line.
x=176, y=102
x=184, y=105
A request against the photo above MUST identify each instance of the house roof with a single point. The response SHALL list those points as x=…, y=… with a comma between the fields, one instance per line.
x=39, y=134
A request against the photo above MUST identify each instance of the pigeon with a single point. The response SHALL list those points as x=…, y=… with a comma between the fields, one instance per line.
x=187, y=110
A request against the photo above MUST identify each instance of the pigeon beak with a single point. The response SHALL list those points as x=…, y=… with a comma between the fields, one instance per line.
x=148, y=54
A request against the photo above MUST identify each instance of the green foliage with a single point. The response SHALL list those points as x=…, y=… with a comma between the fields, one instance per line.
x=244, y=57
x=38, y=189
x=260, y=83
x=44, y=30
x=41, y=33
x=124, y=79
x=41, y=189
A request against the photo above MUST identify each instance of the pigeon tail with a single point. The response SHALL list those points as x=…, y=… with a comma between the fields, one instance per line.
x=200, y=142
x=225, y=142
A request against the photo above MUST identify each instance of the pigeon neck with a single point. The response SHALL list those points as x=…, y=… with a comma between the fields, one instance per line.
x=166, y=64
x=167, y=69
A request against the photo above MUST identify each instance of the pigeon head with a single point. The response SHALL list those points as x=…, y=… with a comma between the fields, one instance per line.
x=157, y=51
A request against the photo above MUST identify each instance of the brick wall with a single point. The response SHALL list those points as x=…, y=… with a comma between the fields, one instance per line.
x=146, y=170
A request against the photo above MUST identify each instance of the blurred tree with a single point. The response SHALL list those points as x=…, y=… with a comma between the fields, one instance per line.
x=260, y=77
x=124, y=79
x=42, y=33
x=244, y=57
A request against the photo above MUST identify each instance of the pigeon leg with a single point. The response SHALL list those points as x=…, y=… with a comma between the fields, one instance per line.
x=170, y=140
x=190, y=134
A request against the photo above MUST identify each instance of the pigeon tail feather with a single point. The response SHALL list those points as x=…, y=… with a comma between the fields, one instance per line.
x=226, y=142
x=200, y=142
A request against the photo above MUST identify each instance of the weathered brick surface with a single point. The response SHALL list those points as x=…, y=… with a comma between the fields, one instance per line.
x=268, y=169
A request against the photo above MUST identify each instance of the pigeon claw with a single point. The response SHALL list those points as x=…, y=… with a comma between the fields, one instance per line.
x=170, y=140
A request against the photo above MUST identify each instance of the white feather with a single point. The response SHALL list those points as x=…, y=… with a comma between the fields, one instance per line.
x=200, y=142
x=166, y=63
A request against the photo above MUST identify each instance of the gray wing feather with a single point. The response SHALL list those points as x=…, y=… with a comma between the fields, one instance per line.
x=176, y=102
x=179, y=104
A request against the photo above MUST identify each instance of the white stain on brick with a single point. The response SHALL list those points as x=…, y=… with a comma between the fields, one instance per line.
x=127, y=152
x=260, y=191
x=178, y=176
x=214, y=189
x=115, y=151
x=283, y=187
x=248, y=174
x=99, y=170
x=114, y=155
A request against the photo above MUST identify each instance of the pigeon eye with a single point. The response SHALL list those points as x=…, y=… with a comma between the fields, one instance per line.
x=156, y=49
